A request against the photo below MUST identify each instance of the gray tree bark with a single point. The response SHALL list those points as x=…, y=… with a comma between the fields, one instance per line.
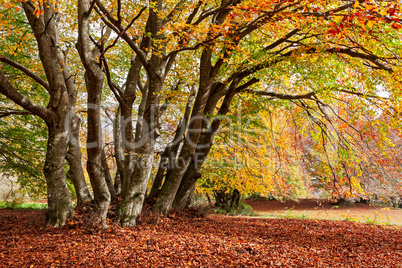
x=147, y=127
x=74, y=156
x=146, y=134
x=94, y=83
x=56, y=115
x=58, y=197
x=45, y=31
x=117, y=152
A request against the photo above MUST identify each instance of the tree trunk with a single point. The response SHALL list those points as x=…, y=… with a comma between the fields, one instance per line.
x=126, y=125
x=74, y=156
x=128, y=141
x=117, y=184
x=147, y=127
x=157, y=183
x=168, y=157
x=108, y=177
x=227, y=200
x=208, y=73
x=184, y=194
x=117, y=152
x=131, y=206
x=46, y=34
x=76, y=173
x=58, y=197
x=59, y=201
x=146, y=133
x=95, y=148
x=193, y=172
x=169, y=189
x=190, y=198
x=94, y=84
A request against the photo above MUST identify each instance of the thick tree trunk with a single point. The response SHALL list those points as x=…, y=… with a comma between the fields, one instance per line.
x=193, y=172
x=208, y=73
x=184, y=194
x=58, y=197
x=190, y=198
x=131, y=207
x=128, y=140
x=146, y=133
x=117, y=184
x=59, y=201
x=169, y=189
x=95, y=148
x=126, y=110
x=46, y=34
x=147, y=127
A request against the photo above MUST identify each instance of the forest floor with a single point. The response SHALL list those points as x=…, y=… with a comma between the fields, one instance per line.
x=322, y=209
x=190, y=240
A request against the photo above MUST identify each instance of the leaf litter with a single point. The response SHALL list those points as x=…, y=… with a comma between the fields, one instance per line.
x=188, y=239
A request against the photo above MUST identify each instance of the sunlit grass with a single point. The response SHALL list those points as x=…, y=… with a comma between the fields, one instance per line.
x=15, y=205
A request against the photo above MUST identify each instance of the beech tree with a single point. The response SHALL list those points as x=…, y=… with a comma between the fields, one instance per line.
x=56, y=114
x=209, y=51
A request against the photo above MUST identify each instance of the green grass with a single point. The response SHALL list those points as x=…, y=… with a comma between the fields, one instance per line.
x=290, y=214
x=16, y=205
x=242, y=210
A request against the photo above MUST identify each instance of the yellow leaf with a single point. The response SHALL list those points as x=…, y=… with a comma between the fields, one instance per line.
x=383, y=13
x=337, y=19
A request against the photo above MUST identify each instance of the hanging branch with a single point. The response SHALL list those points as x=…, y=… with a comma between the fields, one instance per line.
x=25, y=70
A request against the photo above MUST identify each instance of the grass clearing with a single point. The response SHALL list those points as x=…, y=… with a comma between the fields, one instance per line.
x=17, y=205
x=312, y=209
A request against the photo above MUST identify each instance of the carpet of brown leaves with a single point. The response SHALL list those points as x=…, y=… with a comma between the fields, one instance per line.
x=188, y=241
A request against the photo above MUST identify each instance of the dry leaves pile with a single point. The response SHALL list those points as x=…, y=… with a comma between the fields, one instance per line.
x=187, y=241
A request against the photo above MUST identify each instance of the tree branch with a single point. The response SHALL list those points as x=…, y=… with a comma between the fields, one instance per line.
x=116, y=91
x=13, y=112
x=372, y=58
x=25, y=70
x=13, y=94
x=112, y=23
x=282, y=96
